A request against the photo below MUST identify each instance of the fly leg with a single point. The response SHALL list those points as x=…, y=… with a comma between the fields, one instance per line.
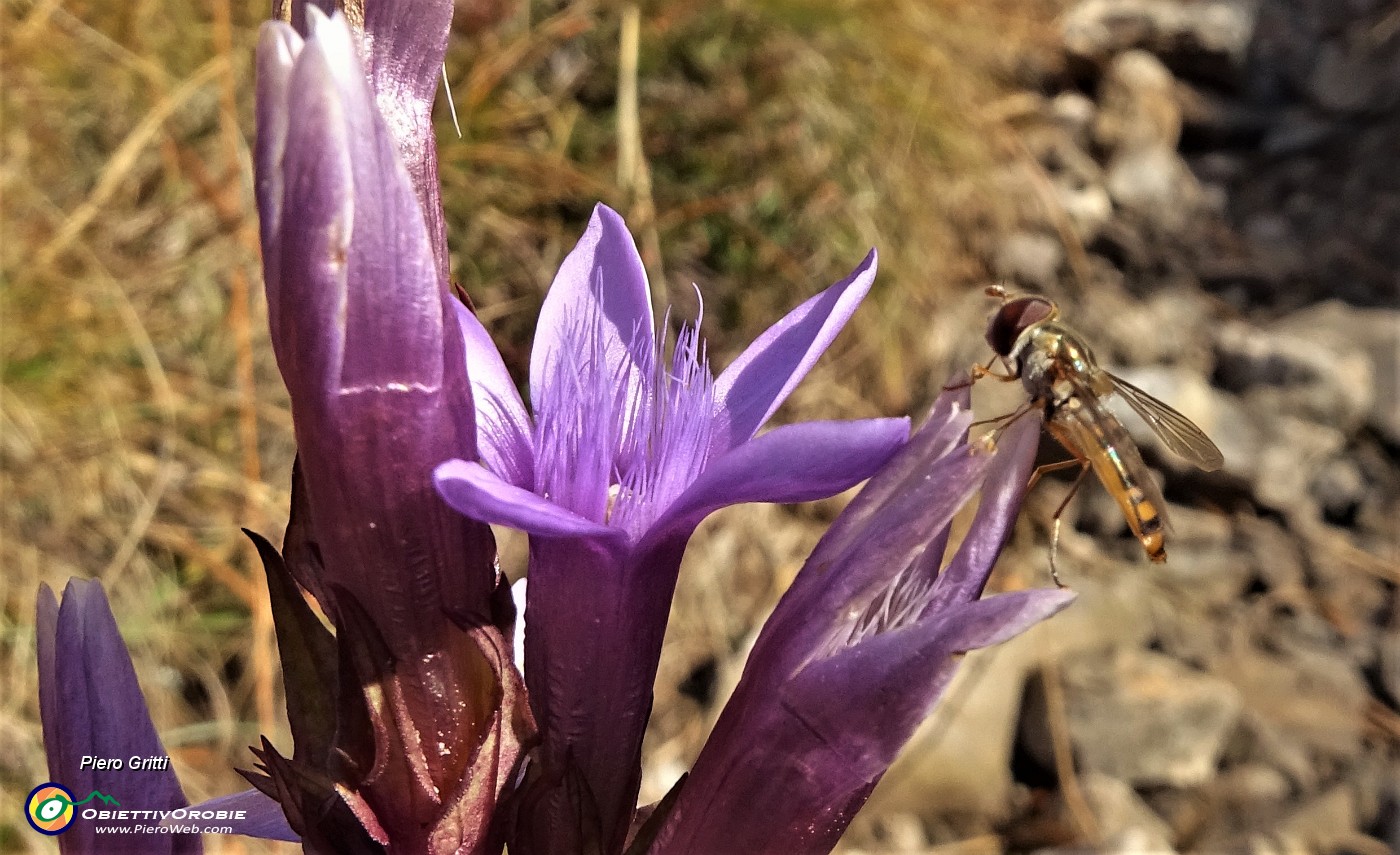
x=1008, y=419
x=977, y=372
x=1083, y=465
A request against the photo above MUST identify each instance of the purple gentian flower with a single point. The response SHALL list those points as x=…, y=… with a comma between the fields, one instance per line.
x=860, y=647
x=627, y=452
x=91, y=705
x=426, y=712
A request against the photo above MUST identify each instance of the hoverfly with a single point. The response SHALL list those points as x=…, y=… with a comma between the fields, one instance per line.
x=1059, y=373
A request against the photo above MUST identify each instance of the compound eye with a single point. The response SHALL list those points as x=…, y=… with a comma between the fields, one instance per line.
x=1014, y=318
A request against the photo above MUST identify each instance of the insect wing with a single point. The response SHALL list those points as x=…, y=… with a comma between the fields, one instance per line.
x=1176, y=431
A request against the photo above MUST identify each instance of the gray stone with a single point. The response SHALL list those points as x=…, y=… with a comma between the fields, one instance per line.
x=1295, y=130
x=1270, y=745
x=1339, y=488
x=1323, y=824
x=1077, y=180
x=1208, y=576
x=1074, y=113
x=1141, y=717
x=1030, y=259
x=1252, y=788
x=1274, y=552
x=1360, y=349
x=1211, y=37
x=1359, y=352
x=1390, y=665
x=1344, y=77
x=1313, y=364
x=1311, y=705
x=1295, y=453
x=1086, y=205
x=959, y=760
x=1126, y=823
x=1137, y=105
x=1155, y=184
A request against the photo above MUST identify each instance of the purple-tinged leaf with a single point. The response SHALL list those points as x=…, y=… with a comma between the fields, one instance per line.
x=967, y=574
x=307, y=651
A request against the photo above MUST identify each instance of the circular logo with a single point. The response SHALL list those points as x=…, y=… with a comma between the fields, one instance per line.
x=49, y=808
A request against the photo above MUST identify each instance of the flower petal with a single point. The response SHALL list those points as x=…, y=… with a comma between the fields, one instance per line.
x=992, y=620
x=966, y=575
x=357, y=259
x=600, y=289
x=404, y=45
x=845, y=574
x=502, y=424
x=473, y=490
x=278, y=46
x=262, y=817
x=753, y=387
x=91, y=704
x=793, y=463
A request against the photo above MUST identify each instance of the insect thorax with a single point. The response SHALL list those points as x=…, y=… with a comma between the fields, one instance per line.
x=1047, y=356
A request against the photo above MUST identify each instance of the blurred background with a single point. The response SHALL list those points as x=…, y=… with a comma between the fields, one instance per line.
x=1211, y=190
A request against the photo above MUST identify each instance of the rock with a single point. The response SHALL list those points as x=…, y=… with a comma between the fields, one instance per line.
x=1271, y=746
x=1253, y=790
x=1208, y=576
x=1155, y=184
x=1208, y=39
x=1339, y=489
x=1296, y=451
x=1360, y=352
x=1344, y=78
x=1313, y=364
x=1087, y=206
x=1241, y=434
x=1295, y=130
x=1139, y=716
x=1389, y=665
x=1030, y=259
x=1218, y=167
x=1078, y=183
x=1214, y=121
x=1137, y=105
x=1362, y=349
x=1074, y=113
x=1322, y=824
x=1312, y=703
x=1273, y=245
x=1126, y=823
x=1274, y=554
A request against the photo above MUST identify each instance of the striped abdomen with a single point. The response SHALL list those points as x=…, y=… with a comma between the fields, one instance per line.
x=1090, y=431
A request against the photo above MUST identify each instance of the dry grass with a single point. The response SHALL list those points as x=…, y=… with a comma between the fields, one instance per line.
x=143, y=420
